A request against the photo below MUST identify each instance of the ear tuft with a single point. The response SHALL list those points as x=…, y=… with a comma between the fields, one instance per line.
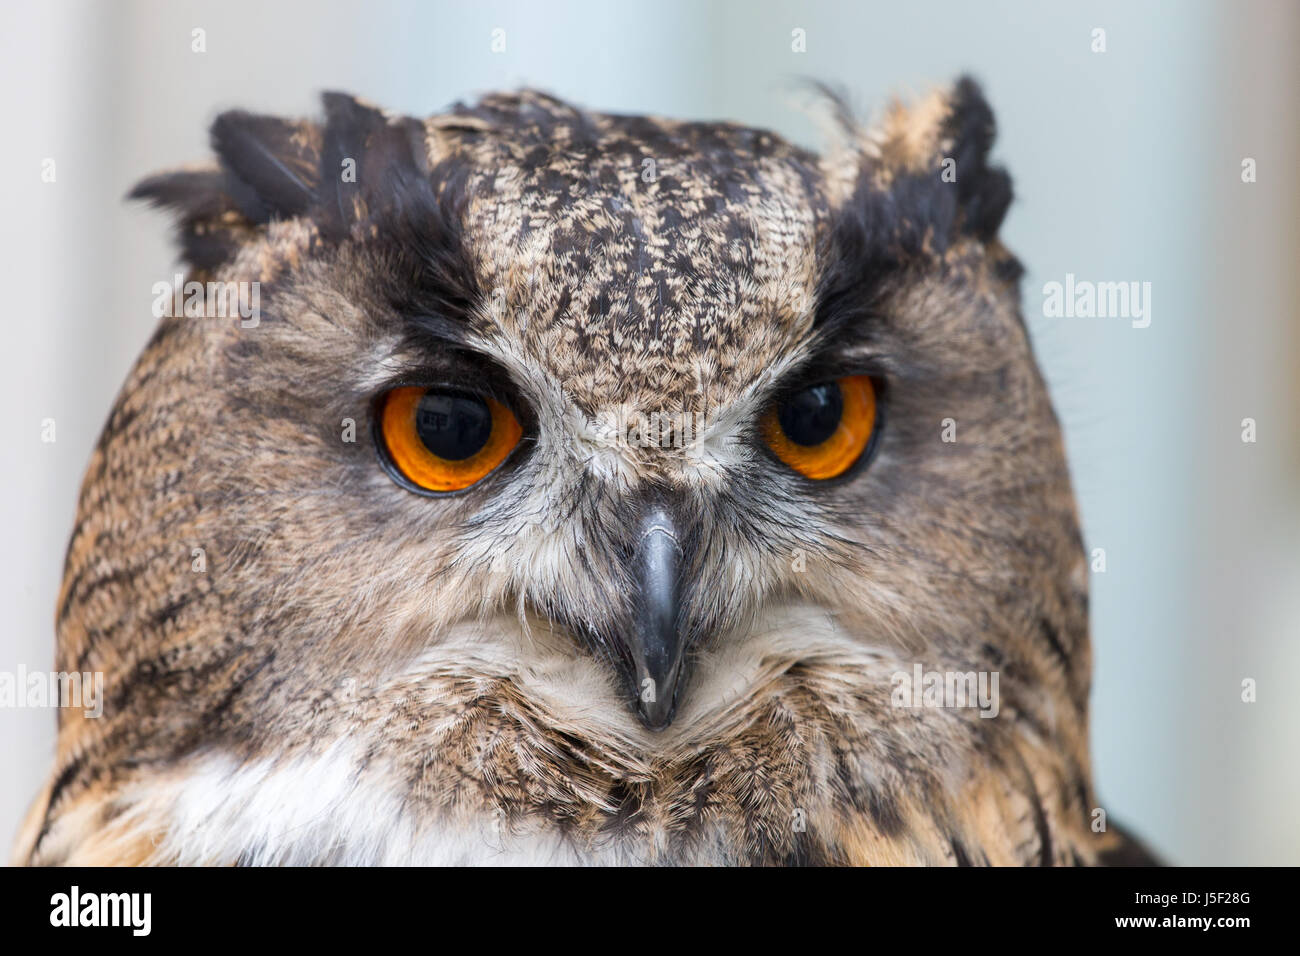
x=910, y=189
x=984, y=191
x=342, y=175
x=195, y=193
x=209, y=227
x=926, y=166
x=271, y=164
x=268, y=169
x=385, y=164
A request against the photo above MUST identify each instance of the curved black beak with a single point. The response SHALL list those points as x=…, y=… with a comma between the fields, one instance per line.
x=656, y=644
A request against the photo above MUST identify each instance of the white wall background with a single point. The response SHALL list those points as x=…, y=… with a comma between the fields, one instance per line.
x=1127, y=166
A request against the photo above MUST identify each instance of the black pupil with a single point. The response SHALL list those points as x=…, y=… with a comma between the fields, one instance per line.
x=453, y=426
x=811, y=417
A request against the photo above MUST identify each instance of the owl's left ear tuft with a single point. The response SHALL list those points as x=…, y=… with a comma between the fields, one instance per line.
x=911, y=188
x=927, y=163
x=984, y=191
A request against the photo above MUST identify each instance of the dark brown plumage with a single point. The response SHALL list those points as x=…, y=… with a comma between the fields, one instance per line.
x=364, y=674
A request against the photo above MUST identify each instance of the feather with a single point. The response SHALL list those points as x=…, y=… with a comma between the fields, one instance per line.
x=271, y=164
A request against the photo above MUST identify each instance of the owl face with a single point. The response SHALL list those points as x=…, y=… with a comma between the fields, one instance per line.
x=628, y=389
x=583, y=477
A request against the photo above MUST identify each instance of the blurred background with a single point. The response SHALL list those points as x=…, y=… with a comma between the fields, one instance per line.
x=1128, y=167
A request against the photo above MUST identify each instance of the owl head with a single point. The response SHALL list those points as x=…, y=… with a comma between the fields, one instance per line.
x=598, y=472
x=634, y=390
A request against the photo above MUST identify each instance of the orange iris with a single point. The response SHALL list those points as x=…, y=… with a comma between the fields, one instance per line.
x=446, y=441
x=835, y=454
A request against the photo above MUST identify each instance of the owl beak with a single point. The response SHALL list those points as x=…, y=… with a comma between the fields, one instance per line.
x=656, y=645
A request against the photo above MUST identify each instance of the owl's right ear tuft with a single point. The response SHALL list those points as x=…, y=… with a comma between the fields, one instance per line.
x=210, y=227
x=371, y=166
x=272, y=165
x=268, y=169
x=359, y=174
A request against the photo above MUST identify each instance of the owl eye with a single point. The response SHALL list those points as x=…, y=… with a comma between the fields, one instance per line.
x=823, y=429
x=444, y=440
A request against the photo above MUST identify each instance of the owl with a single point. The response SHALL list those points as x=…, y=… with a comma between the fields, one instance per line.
x=581, y=488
